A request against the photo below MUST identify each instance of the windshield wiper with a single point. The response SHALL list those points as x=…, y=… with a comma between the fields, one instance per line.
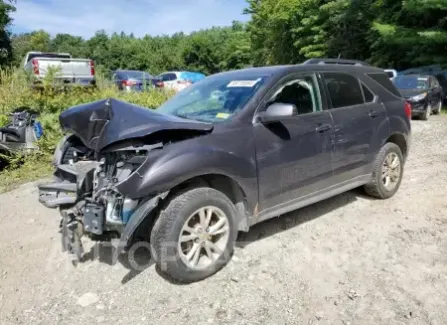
x=183, y=116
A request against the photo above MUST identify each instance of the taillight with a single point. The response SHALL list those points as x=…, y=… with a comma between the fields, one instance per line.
x=92, y=67
x=128, y=83
x=408, y=109
x=160, y=84
x=35, y=64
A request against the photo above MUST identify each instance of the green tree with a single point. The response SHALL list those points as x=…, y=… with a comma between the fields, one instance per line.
x=67, y=43
x=409, y=33
x=6, y=8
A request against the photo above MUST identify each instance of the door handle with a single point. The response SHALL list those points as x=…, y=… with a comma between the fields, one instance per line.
x=323, y=128
x=373, y=114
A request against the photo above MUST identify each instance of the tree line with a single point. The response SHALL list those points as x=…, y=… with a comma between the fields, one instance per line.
x=386, y=33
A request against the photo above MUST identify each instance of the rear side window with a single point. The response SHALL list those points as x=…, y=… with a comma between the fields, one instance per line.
x=369, y=96
x=344, y=89
x=383, y=80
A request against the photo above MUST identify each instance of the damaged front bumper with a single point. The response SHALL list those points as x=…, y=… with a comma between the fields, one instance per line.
x=83, y=215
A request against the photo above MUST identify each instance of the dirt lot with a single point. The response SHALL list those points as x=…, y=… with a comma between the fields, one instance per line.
x=348, y=260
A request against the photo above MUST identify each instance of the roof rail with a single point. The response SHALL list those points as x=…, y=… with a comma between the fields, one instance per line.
x=336, y=61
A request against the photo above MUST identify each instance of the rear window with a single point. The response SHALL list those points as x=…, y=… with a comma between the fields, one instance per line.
x=390, y=74
x=48, y=55
x=135, y=75
x=168, y=77
x=383, y=80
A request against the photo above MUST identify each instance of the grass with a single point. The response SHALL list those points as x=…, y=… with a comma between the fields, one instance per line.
x=32, y=169
x=15, y=91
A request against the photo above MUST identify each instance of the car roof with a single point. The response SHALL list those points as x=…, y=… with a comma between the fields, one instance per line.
x=284, y=69
x=120, y=70
x=416, y=75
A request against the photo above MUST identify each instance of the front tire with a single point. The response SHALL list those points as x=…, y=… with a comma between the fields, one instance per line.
x=427, y=113
x=387, y=172
x=439, y=108
x=194, y=235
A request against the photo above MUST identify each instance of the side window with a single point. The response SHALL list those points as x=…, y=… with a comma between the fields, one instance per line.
x=301, y=92
x=435, y=83
x=369, y=96
x=344, y=89
x=168, y=77
x=383, y=80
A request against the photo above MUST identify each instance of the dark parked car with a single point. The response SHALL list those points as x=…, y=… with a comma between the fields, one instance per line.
x=423, y=92
x=132, y=80
x=230, y=151
x=438, y=71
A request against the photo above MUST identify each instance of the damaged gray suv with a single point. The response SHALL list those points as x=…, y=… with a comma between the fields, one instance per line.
x=228, y=152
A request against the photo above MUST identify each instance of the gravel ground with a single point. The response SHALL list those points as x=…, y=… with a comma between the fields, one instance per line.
x=347, y=260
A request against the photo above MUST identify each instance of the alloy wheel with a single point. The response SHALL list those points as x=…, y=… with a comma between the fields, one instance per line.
x=391, y=170
x=204, y=237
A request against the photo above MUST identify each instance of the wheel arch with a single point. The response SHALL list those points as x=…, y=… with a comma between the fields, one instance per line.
x=222, y=183
x=400, y=140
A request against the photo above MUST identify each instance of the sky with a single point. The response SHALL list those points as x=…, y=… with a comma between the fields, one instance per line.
x=140, y=17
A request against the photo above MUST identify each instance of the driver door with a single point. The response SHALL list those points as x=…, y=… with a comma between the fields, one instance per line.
x=294, y=154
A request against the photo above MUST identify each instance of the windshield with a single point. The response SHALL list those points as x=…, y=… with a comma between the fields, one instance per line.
x=136, y=75
x=214, y=99
x=411, y=82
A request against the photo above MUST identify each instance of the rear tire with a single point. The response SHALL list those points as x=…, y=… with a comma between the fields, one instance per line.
x=180, y=232
x=387, y=172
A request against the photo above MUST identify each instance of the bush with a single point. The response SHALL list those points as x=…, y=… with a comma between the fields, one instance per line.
x=50, y=101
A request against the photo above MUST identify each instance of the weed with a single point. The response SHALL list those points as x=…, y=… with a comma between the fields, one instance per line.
x=49, y=100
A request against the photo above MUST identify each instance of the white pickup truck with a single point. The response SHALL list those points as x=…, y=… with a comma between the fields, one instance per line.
x=69, y=70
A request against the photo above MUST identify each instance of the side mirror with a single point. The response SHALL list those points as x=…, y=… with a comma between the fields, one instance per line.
x=278, y=111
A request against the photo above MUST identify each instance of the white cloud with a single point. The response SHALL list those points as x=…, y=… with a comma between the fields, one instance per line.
x=141, y=17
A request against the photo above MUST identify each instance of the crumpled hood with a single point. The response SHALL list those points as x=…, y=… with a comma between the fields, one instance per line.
x=407, y=93
x=101, y=123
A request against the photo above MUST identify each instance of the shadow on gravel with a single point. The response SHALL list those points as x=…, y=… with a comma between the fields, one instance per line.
x=136, y=262
x=139, y=260
x=295, y=218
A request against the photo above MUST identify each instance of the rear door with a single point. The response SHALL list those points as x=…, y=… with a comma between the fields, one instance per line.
x=358, y=116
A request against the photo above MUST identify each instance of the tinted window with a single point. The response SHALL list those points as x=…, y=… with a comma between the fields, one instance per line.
x=168, y=77
x=369, y=96
x=344, y=89
x=48, y=55
x=300, y=92
x=390, y=74
x=135, y=75
x=383, y=80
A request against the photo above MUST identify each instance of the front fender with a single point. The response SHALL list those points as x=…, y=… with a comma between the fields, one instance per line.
x=167, y=168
